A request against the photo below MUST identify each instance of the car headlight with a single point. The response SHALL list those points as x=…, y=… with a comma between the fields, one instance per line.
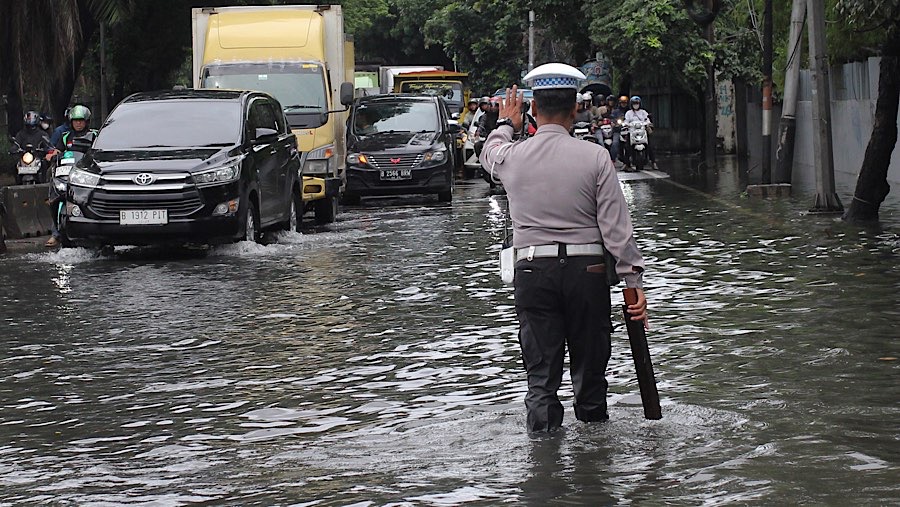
x=357, y=159
x=218, y=175
x=81, y=178
x=436, y=156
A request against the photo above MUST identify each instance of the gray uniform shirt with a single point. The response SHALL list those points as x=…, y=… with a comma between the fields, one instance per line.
x=563, y=190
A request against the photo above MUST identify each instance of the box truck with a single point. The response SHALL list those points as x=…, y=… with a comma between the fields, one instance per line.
x=300, y=55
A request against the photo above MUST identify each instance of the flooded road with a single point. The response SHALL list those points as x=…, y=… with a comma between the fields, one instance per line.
x=376, y=363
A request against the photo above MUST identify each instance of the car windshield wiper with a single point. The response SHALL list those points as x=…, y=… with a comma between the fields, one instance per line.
x=302, y=106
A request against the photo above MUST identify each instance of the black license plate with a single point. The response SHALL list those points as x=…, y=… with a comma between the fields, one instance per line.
x=396, y=174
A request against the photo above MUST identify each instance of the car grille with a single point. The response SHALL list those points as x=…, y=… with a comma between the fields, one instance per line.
x=403, y=161
x=171, y=192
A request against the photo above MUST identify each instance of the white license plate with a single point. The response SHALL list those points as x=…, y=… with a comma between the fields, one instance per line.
x=143, y=217
x=63, y=170
x=396, y=174
x=29, y=170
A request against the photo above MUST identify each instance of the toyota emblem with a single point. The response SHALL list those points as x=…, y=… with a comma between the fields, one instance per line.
x=395, y=160
x=143, y=179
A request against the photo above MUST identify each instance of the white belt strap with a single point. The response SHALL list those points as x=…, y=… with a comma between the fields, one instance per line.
x=553, y=251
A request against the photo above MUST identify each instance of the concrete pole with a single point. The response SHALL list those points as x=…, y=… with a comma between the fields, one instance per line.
x=767, y=96
x=103, y=105
x=784, y=154
x=530, y=41
x=827, y=200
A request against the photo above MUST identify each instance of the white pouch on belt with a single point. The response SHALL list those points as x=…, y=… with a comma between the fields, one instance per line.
x=507, y=261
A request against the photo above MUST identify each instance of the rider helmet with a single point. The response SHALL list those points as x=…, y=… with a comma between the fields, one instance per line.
x=610, y=98
x=473, y=100
x=635, y=102
x=484, y=100
x=79, y=112
x=587, y=97
x=32, y=119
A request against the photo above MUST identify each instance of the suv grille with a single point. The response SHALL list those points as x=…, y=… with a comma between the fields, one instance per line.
x=170, y=192
x=402, y=161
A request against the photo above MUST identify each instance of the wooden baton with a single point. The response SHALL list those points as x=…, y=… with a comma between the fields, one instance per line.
x=641, y=354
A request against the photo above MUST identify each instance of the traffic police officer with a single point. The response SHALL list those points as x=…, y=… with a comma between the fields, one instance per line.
x=566, y=205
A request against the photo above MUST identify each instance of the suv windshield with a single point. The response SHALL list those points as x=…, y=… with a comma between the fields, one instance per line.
x=391, y=116
x=299, y=87
x=171, y=123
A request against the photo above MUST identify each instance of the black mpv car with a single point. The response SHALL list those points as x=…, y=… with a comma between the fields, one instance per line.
x=400, y=144
x=186, y=167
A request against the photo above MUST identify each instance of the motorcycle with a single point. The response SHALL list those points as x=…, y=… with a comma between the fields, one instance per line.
x=582, y=131
x=606, y=132
x=29, y=165
x=60, y=183
x=637, y=132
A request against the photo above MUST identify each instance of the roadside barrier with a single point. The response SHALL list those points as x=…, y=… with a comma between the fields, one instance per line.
x=27, y=213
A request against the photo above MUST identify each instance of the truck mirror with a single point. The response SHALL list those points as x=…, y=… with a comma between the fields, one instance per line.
x=346, y=93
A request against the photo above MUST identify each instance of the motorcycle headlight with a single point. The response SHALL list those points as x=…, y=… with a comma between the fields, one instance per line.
x=27, y=158
x=218, y=175
x=436, y=156
x=81, y=178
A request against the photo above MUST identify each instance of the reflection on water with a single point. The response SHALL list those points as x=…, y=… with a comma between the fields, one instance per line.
x=376, y=362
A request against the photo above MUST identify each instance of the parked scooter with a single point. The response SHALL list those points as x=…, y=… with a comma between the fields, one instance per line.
x=637, y=133
x=30, y=164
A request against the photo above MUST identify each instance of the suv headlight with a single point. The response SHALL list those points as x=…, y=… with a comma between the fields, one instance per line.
x=357, y=159
x=218, y=175
x=436, y=156
x=81, y=178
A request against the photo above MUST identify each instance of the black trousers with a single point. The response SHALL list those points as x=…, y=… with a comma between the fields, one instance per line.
x=560, y=303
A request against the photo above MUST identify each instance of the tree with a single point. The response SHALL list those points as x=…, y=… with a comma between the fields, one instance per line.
x=872, y=186
x=44, y=44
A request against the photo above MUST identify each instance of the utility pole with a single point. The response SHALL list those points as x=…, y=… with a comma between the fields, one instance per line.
x=103, y=105
x=767, y=96
x=530, y=41
x=827, y=200
x=784, y=154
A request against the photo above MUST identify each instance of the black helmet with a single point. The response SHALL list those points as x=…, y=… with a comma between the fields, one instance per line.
x=610, y=98
x=47, y=117
x=32, y=119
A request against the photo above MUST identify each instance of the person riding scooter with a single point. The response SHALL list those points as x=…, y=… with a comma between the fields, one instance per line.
x=31, y=132
x=78, y=119
x=637, y=113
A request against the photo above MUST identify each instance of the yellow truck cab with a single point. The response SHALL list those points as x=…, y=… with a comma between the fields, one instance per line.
x=300, y=55
x=442, y=83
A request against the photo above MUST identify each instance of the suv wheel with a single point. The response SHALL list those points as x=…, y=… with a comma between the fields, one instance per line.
x=251, y=224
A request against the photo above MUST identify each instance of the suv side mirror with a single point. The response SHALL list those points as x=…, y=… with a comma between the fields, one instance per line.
x=453, y=127
x=264, y=135
x=346, y=94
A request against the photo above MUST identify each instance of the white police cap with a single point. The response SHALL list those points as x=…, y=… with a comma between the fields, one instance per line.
x=554, y=75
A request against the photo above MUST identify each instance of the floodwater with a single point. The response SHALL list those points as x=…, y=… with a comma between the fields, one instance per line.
x=375, y=362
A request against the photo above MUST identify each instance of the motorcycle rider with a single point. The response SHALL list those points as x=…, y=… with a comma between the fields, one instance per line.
x=61, y=129
x=47, y=123
x=636, y=113
x=583, y=113
x=78, y=119
x=468, y=114
x=31, y=133
x=619, y=146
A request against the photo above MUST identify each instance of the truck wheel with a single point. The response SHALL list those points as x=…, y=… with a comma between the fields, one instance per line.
x=251, y=223
x=325, y=210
